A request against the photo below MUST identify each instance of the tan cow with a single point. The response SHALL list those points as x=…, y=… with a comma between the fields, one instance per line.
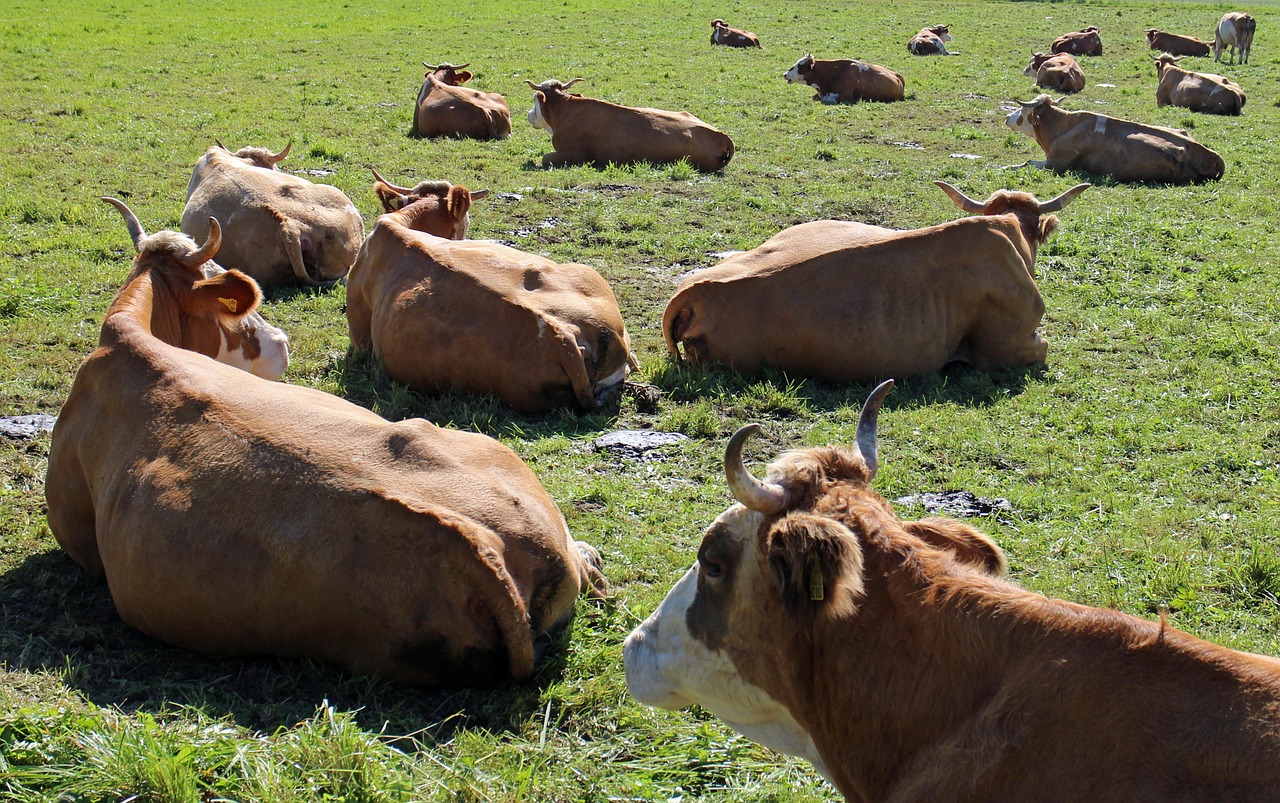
x=1199, y=92
x=1235, y=30
x=930, y=41
x=277, y=228
x=722, y=34
x=599, y=132
x=1086, y=42
x=846, y=80
x=1108, y=146
x=236, y=516
x=246, y=342
x=482, y=317
x=850, y=302
x=1175, y=44
x=893, y=656
x=1056, y=71
x=445, y=108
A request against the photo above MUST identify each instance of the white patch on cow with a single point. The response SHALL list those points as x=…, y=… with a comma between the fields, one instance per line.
x=535, y=116
x=1100, y=127
x=862, y=66
x=542, y=327
x=830, y=98
x=273, y=356
x=237, y=358
x=1017, y=120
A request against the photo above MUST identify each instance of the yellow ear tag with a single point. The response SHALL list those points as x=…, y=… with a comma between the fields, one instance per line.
x=817, y=590
x=229, y=303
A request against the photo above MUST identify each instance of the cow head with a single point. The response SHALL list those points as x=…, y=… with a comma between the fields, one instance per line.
x=447, y=73
x=258, y=157
x=1025, y=119
x=1164, y=61
x=799, y=71
x=943, y=32
x=1152, y=33
x=1091, y=29
x=434, y=207
x=1037, y=61
x=541, y=92
x=1035, y=217
x=788, y=562
x=718, y=23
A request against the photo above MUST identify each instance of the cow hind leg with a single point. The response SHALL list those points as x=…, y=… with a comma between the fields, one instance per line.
x=71, y=515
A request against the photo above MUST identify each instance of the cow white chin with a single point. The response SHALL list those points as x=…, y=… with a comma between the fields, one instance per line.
x=1017, y=120
x=535, y=117
x=793, y=76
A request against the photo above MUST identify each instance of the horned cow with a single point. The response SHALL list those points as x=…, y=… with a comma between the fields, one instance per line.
x=1235, y=30
x=846, y=80
x=1056, y=71
x=1176, y=45
x=722, y=34
x=1086, y=42
x=1200, y=92
x=446, y=108
x=930, y=41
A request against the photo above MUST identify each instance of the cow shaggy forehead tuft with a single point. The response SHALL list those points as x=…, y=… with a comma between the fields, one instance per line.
x=167, y=244
x=807, y=473
x=259, y=156
x=424, y=188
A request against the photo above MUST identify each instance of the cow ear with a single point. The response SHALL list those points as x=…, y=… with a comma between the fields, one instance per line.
x=816, y=562
x=1048, y=225
x=967, y=544
x=390, y=199
x=459, y=201
x=463, y=76
x=230, y=293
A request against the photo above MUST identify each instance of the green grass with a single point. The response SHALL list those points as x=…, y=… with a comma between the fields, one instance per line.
x=1141, y=461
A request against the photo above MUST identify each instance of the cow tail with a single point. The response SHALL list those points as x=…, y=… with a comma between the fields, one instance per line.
x=574, y=364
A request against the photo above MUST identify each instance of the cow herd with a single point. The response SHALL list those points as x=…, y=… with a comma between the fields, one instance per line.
x=233, y=514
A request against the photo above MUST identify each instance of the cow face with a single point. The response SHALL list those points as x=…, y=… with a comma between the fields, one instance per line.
x=535, y=114
x=1024, y=119
x=942, y=32
x=800, y=70
x=1037, y=61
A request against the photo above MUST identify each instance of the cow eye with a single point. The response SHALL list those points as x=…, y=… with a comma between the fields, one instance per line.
x=711, y=569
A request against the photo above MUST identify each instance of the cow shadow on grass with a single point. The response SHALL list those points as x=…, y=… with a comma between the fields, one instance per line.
x=59, y=622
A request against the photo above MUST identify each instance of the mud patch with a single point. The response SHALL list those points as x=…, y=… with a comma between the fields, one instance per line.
x=317, y=171
x=25, y=427
x=637, y=444
x=548, y=223
x=961, y=504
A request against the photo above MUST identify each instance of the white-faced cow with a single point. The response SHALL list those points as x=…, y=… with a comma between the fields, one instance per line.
x=243, y=341
x=1107, y=146
x=599, y=132
x=850, y=302
x=277, y=228
x=482, y=317
x=1086, y=42
x=894, y=656
x=232, y=515
x=445, y=108
x=1057, y=71
x=846, y=80
x=930, y=41
x=1235, y=30
x=722, y=34
x=1199, y=92
x=1176, y=45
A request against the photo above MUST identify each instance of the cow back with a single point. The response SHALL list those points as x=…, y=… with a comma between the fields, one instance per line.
x=444, y=110
x=637, y=134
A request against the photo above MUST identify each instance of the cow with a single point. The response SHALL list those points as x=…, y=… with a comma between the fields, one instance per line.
x=1175, y=44
x=589, y=130
x=846, y=80
x=482, y=317
x=1199, y=92
x=231, y=515
x=1086, y=42
x=1108, y=146
x=439, y=221
x=722, y=34
x=930, y=41
x=445, y=108
x=247, y=341
x=1235, y=30
x=277, y=228
x=850, y=302
x=896, y=658
x=1056, y=71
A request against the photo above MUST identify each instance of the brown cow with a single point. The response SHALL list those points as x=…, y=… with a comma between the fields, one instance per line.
x=1199, y=92
x=846, y=80
x=1175, y=44
x=1085, y=42
x=482, y=317
x=246, y=342
x=277, y=228
x=599, y=132
x=893, y=656
x=1107, y=146
x=1235, y=30
x=439, y=220
x=232, y=515
x=445, y=108
x=930, y=41
x=722, y=34
x=1057, y=71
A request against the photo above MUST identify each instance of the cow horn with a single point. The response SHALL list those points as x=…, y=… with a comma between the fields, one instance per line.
x=205, y=252
x=478, y=194
x=866, y=442
x=431, y=67
x=533, y=86
x=961, y=200
x=130, y=219
x=460, y=66
x=280, y=156
x=1062, y=200
x=1028, y=104
x=755, y=494
x=220, y=145
x=573, y=81
x=400, y=190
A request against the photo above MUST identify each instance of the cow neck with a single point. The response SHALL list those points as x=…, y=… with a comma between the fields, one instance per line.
x=144, y=304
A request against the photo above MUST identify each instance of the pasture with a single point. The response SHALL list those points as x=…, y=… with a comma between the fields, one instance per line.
x=1139, y=463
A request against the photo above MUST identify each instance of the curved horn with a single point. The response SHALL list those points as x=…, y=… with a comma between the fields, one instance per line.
x=401, y=190
x=478, y=194
x=755, y=494
x=1062, y=200
x=533, y=86
x=460, y=66
x=205, y=252
x=431, y=67
x=220, y=145
x=1027, y=104
x=961, y=200
x=573, y=81
x=136, y=232
x=279, y=156
x=866, y=442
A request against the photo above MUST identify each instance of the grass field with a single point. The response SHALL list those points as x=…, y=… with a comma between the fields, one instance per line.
x=1140, y=462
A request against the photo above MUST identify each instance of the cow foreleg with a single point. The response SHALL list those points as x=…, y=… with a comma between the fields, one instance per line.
x=556, y=159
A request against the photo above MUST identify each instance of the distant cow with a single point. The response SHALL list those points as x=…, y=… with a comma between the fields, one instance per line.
x=850, y=302
x=930, y=41
x=1086, y=42
x=722, y=34
x=894, y=656
x=1199, y=92
x=846, y=80
x=1057, y=71
x=277, y=228
x=220, y=331
x=445, y=108
x=482, y=317
x=1107, y=146
x=235, y=516
x=1235, y=30
x=1176, y=45
x=599, y=132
